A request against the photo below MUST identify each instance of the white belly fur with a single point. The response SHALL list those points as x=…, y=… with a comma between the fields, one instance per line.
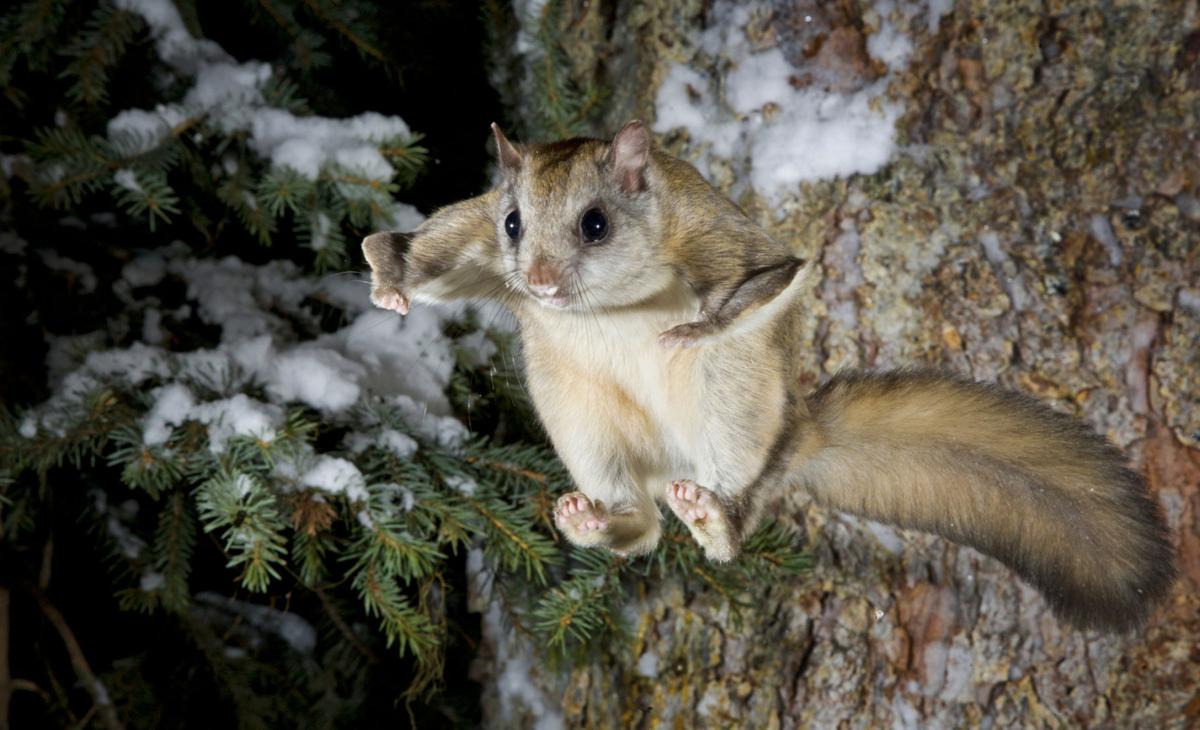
x=595, y=378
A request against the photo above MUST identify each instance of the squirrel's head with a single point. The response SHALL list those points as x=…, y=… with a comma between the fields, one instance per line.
x=577, y=221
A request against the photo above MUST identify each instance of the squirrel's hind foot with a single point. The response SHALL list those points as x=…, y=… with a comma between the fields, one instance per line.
x=581, y=520
x=705, y=517
x=630, y=529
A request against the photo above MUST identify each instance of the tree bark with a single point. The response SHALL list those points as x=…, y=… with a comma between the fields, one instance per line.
x=1040, y=227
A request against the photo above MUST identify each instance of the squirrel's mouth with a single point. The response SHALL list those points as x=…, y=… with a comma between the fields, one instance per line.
x=558, y=300
x=554, y=294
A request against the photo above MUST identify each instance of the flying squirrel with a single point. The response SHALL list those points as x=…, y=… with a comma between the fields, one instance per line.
x=660, y=333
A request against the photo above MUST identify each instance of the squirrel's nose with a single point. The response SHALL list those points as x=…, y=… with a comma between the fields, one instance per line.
x=543, y=279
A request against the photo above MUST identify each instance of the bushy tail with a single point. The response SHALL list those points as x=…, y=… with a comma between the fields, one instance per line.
x=1002, y=473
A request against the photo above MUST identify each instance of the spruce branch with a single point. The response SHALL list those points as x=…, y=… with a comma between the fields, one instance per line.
x=335, y=616
x=237, y=192
x=248, y=515
x=510, y=543
x=95, y=50
x=31, y=24
x=411, y=632
x=147, y=195
x=407, y=156
x=174, y=543
x=773, y=551
x=388, y=548
x=285, y=190
x=283, y=93
x=320, y=230
x=74, y=164
x=150, y=468
x=74, y=438
x=448, y=521
x=519, y=468
x=305, y=43
x=346, y=28
x=579, y=609
x=308, y=553
x=352, y=185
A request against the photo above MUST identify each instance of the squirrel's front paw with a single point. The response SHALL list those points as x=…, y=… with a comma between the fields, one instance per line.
x=387, y=297
x=689, y=334
x=385, y=252
x=581, y=520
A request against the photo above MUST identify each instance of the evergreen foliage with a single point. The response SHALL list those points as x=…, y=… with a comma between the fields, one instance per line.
x=200, y=145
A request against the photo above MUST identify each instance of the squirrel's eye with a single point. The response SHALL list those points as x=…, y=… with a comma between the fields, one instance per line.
x=512, y=225
x=593, y=225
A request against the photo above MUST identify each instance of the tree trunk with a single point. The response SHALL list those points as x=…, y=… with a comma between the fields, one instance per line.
x=1039, y=226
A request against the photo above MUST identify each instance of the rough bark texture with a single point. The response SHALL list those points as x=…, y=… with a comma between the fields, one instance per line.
x=1040, y=228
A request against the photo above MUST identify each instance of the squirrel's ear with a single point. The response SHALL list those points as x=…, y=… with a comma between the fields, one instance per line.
x=628, y=155
x=510, y=156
